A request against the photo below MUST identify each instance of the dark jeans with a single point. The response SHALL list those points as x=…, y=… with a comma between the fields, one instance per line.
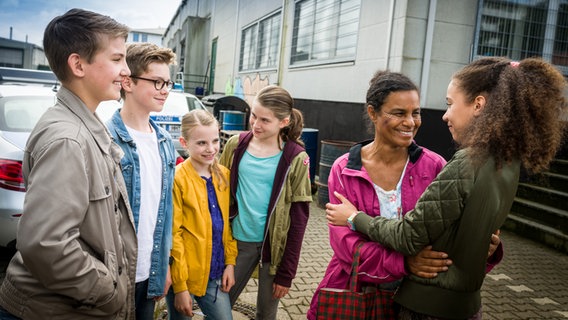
x=5, y=315
x=144, y=306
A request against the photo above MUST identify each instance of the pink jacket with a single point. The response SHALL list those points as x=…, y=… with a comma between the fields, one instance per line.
x=377, y=263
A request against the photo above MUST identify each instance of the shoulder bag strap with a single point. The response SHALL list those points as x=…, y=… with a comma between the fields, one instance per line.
x=355, y=267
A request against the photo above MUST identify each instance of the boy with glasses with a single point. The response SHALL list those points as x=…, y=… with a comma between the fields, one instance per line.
x=148, y=168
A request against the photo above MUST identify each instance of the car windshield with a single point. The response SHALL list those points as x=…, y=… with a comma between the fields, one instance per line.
x=194, y=103
x=21, y=113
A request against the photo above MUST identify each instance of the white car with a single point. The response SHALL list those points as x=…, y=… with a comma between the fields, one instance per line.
x=177, y=104
x=21, y=106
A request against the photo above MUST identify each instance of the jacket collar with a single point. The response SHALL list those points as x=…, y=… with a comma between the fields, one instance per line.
x=93, y=124
x=354, y=162
x=122, y=132
x=291, y=150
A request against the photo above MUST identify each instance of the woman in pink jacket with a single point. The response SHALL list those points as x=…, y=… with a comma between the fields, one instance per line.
x=384, y=176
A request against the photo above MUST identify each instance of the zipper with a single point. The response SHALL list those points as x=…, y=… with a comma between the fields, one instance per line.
x=266, y=227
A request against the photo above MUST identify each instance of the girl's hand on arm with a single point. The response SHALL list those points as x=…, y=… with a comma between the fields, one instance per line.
x=427, y=263
x=183, y=303
x=228, y=280
x=337, y=214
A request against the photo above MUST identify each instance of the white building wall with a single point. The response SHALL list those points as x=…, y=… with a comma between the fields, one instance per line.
x=392, y=34
x=451, y=49
x=225, y=30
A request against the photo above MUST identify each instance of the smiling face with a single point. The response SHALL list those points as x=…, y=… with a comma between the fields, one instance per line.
x=460, y=112
x=202, y=146
x=143, y=94
x=398, y=120
x=264, y=124
x=104, y=74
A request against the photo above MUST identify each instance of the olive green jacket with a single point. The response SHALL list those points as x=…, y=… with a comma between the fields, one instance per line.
x=457, y=214
x=288, y=208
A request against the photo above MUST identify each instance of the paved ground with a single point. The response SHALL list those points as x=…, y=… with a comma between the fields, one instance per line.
x=530, y=283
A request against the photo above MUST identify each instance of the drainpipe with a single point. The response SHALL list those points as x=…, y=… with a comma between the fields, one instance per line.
x=428, y=50
x=283, y=32
x=236, y=47
x=389, y=33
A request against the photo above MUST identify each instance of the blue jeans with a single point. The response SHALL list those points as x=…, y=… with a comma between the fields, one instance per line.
x=5, y=315
x=215, y=304
x=144, y=305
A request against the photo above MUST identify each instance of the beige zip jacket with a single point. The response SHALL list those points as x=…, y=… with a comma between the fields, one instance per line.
x=76, y=240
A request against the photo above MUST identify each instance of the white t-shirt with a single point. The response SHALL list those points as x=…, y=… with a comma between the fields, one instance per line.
x=150, y=191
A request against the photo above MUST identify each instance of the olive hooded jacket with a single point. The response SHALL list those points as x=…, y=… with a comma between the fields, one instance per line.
x=457, y=214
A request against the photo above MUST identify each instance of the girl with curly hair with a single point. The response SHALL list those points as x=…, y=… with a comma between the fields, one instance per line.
x=504, y=115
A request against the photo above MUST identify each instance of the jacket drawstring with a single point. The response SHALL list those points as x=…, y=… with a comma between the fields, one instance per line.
x=217, y=282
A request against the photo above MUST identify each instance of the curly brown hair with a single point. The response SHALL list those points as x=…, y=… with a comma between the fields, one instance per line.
x=521, y=119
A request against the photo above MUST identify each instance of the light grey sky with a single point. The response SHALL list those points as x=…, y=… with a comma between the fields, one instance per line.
x=28, y=18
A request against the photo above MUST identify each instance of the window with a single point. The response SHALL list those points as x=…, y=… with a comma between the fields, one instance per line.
x=259, y=44
x=521, y=29
x=13, y=58
x=325, y=30
x=135, y=37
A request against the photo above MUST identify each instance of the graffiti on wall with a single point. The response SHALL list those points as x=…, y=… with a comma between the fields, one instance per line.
x=247, y=86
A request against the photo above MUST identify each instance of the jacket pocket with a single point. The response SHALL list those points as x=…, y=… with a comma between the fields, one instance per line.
x=116, y=287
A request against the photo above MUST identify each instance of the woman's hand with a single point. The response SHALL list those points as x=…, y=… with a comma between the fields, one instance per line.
x=495, y=241
x=337, y=214
x=427, y=263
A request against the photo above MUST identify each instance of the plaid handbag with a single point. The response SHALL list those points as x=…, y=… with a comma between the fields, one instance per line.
x=349, y=304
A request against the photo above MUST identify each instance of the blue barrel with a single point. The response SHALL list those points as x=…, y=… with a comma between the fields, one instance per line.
x=330, y=151
x=233, y=120
x=310, y=139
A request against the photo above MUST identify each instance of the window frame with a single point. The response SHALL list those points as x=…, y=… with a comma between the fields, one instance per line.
x=492, y=20
x=316, y=16
x=257, y=57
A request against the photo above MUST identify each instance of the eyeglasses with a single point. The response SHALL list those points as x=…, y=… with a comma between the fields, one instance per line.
x=158, y=83
x=399, y=116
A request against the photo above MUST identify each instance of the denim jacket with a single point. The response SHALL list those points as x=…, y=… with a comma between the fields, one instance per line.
x=130, y=165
